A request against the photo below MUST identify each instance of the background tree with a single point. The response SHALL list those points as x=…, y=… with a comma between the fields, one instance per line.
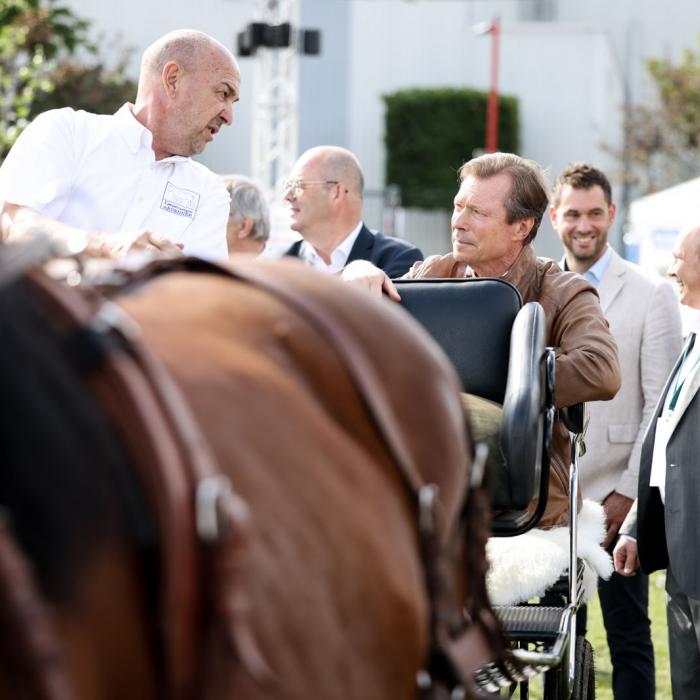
x=47, y=59
x=663, y=140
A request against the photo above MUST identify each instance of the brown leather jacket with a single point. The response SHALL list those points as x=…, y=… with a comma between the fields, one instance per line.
x=586, y=367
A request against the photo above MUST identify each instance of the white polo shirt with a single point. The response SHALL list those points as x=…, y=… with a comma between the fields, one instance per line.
x=99, y=172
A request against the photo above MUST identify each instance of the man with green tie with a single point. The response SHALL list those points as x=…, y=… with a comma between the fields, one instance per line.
x=661, y=530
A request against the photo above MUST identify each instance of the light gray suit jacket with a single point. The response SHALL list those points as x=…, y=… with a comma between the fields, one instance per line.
x=667, y=534
x=645, y=321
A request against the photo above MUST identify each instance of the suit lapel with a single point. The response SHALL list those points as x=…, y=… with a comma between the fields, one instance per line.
x=295, y=249
x=362, y=248
x=612, y=282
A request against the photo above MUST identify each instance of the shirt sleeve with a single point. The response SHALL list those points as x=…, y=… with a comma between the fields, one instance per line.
x=39, y=169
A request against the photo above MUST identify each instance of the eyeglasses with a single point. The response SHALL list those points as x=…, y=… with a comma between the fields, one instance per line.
x=297, y=186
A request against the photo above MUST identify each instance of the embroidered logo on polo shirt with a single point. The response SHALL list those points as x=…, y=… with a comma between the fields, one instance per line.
x=179, y=201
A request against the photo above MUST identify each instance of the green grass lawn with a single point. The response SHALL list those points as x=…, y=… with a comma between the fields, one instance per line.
x=596, y=635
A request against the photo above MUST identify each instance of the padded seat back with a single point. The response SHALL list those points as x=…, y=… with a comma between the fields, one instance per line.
x=498, y=349
x=471, y=320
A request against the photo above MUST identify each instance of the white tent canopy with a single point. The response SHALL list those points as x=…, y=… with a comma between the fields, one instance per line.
x=656, y=220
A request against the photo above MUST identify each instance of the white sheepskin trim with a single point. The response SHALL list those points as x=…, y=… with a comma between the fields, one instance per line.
x=525, y=566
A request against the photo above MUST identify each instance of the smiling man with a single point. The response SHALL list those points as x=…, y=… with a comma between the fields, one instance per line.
x=645, y=321
x=665, y=518
x=126, y=180
x=497, y=212
x=325, y=197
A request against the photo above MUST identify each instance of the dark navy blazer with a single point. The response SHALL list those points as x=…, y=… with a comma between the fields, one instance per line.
x=390, y=254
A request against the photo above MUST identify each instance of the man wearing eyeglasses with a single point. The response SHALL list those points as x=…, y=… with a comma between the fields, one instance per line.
x=325, y=196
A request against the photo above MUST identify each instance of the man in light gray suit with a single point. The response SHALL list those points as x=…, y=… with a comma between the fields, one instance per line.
x=666, y=517
x=645, y=321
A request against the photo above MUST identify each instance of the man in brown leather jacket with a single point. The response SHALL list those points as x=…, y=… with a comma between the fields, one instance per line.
x=497, y=212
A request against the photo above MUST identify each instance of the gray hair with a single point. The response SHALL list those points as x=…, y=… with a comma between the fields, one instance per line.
x=248, y=202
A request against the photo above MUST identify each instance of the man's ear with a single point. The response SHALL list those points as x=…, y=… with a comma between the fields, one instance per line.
x=246, y=228
x=170, y=77
x=553, y=216
x=523, y=228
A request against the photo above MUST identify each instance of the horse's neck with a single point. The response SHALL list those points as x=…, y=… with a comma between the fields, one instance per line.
x=108, y=642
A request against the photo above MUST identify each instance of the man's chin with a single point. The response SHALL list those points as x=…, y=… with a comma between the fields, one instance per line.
x=462, y=253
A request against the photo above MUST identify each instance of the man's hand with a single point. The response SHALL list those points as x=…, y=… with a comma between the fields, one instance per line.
x=146, y=240
x=616, y=508
x=625, y=557
x=363, y=274
x=18, y=222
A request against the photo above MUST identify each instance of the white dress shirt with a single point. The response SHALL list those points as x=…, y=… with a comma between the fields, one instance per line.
x=339, y=257
x=676, y=394
x=99, y=172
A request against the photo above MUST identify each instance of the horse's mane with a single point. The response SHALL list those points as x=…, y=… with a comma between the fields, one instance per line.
x=65, y=484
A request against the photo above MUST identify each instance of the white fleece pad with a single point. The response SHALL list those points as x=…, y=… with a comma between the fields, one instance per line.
x=525, y=566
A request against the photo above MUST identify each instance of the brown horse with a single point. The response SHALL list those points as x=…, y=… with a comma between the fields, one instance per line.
x=329, y=412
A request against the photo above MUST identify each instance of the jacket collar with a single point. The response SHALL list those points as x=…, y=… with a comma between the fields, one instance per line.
x=612, y=282
x=522, y=274
x=362, y=246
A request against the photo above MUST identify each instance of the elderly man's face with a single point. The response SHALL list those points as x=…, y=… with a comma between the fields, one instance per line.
x=205, y=102
x=685, y=268
x=481, y=235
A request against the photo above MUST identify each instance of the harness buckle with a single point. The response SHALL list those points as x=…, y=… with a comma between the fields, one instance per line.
x=211, y=492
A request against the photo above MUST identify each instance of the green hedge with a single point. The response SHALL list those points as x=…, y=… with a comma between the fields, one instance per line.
x=429, y=134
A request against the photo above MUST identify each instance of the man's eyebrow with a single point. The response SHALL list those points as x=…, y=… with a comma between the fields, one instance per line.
x=231, y=89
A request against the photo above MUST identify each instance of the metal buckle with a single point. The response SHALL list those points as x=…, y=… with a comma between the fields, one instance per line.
x=207, y=512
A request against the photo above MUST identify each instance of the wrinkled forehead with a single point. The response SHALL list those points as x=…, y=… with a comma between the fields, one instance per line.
x=486, y=191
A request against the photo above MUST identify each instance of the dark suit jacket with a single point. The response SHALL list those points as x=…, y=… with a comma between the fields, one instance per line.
x=390, y=254
x=669, y=533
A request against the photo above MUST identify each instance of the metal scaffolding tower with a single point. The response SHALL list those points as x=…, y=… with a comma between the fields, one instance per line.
x=276, y=108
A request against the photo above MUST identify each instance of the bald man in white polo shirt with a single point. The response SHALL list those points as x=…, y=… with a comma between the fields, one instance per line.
x=126, y=180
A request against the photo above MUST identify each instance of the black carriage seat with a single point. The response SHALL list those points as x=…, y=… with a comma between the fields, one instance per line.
x=497, y=346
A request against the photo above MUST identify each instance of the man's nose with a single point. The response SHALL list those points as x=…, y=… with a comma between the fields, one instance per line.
x=226, y=115
x=583, y=224
x=459, y=218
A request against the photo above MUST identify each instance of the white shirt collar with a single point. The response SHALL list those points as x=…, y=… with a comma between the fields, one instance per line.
x=339, y=257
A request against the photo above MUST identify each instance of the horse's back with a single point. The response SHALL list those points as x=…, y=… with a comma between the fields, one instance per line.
x=337, y=594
